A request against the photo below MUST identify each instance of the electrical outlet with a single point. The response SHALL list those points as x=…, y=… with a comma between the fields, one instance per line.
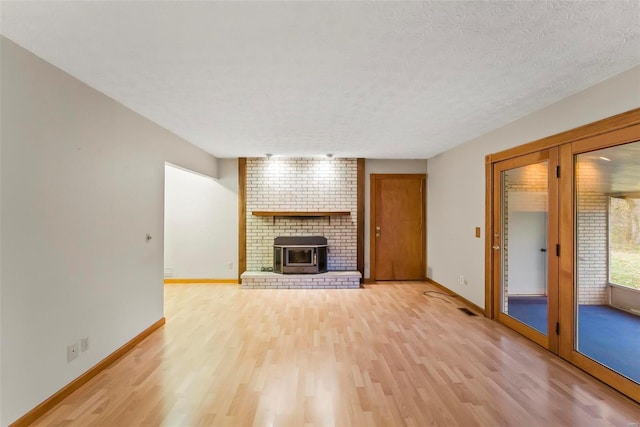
x=72, y=351
x=84, y=344
x=230, y=266
x=461, y=279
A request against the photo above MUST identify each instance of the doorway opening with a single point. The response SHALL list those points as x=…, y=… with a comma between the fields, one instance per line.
x=200, y=222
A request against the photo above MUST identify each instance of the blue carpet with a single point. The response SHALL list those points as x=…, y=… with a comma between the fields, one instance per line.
x=611, y=337
x=531, y=311
x=605, y=334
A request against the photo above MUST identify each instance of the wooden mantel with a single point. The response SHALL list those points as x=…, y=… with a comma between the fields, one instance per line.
x=301, y=214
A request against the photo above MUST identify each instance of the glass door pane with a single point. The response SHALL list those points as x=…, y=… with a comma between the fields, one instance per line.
x=524, y=216
x=607, y=265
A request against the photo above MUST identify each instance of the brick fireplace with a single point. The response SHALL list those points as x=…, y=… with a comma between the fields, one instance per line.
x=308, y=186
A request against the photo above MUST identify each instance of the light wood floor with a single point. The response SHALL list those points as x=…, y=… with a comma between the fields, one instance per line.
x=386, y=355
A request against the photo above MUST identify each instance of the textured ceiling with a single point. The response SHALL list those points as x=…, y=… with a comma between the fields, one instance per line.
x=365, y=79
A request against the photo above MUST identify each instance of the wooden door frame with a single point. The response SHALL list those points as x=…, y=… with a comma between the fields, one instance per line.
x=373, y=178
x=616, y=130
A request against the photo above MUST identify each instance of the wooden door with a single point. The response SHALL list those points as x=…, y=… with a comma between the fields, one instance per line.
x=596, y=286
x=525, y=235
x=398, y=227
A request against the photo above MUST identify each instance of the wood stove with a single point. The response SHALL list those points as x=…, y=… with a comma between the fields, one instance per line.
x=300, y=255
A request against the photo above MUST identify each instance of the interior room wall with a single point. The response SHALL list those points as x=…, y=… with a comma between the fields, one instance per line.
x=82, y=183
x=201, y=223
x=456, y=183
x=387, y=166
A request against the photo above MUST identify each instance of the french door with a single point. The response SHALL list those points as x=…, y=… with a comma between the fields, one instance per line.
x=600, y=268
x=525, y=237
x=563, y=246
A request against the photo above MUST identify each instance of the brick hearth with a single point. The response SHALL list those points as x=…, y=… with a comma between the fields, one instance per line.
x=329, y=280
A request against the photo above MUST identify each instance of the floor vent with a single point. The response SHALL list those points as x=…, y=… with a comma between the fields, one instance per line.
x=467, y=311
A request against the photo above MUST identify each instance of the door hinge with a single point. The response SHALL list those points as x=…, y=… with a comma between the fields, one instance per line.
x=557, y=250
x=557, y=328
x=557, y=171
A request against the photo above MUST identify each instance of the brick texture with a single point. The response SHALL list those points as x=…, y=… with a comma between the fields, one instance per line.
x=592, y=223
x=330, y=280
x=302, y=184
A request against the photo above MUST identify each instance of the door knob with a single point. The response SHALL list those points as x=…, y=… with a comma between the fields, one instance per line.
x=377, y=234
x=378, y=228
x=496, y=247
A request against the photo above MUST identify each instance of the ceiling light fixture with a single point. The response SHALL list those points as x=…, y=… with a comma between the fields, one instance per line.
x=606, y=159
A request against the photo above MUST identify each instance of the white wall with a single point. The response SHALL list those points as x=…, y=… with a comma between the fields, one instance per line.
x=201, y=222
x=456, y=178
x=379, y=166
x=82, y=182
